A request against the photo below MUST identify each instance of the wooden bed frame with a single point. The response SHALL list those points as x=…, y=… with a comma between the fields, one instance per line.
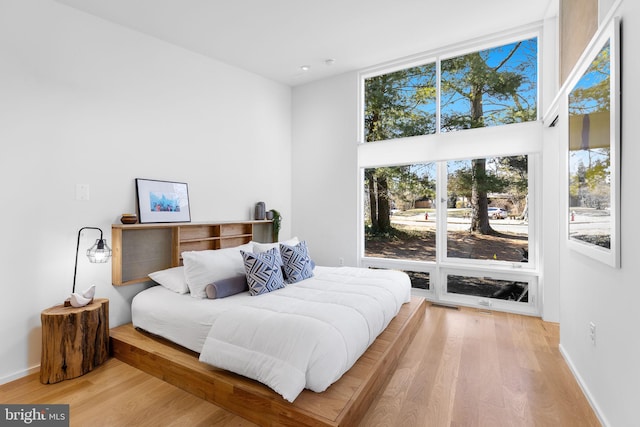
x=342, y=404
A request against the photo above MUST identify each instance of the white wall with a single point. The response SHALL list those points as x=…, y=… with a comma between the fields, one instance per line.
x=591, y=291
x=325, y=185
x=86, y=101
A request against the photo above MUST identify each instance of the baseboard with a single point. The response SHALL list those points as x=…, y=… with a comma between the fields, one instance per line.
x=19, y=374
x=583, y=386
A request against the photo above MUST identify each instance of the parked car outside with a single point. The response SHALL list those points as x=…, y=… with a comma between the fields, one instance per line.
x=497, y=213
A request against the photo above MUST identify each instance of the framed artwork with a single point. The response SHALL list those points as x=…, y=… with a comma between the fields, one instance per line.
x=593, y=102
x=162, y=201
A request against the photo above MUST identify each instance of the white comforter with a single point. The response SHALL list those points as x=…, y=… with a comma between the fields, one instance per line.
x=308, y=334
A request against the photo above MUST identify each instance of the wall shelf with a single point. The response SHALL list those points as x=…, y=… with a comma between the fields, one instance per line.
x=139, y=249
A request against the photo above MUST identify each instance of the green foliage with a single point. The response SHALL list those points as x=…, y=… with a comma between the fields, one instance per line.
x=515, y=171
x=461, y=181
x=478, y=92
x=277, y=222
x=404, y=186
x=400, y=104
x=589, y=184
x=397, y=186
x=410, y=184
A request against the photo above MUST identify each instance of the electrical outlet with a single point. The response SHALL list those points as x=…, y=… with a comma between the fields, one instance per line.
x=592, y=332
x=340, y=261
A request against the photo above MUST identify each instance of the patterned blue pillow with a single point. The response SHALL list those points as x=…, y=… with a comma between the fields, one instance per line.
x=296, y=262
x=264, y=271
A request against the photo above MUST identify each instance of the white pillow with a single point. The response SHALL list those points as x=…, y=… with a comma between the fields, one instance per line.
x=204, y=267
x=172, y=279
x=264, y=247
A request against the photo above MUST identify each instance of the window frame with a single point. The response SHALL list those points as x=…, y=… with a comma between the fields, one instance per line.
x=498, y=141
x=610, y=33
x=445, y=259
x=530, y=307
x=437, y=56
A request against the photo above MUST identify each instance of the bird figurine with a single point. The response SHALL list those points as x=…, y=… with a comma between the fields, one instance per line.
x=80, y=300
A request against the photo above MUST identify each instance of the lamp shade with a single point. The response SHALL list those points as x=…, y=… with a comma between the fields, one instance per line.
x=99, y=252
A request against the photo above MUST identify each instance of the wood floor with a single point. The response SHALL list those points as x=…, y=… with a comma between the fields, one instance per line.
x=464, y=368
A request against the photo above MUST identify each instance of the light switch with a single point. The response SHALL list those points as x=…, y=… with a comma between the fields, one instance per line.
x=82, y=192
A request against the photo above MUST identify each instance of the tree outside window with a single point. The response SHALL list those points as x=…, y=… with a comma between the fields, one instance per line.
x=491, y=87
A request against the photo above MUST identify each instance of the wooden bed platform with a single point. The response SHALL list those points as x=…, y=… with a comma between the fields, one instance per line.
x=343, y=404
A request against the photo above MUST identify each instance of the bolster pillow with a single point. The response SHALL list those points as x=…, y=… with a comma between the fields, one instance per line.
x=227, y=287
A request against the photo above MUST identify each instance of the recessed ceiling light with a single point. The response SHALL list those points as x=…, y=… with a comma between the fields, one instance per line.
x=305, y=67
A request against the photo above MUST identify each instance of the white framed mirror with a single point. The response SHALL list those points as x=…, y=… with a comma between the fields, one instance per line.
x=593, y=104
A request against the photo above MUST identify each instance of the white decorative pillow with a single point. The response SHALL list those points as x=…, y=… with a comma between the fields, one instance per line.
x=264, y=271
x=263, y=247
x=204, y=267
x=172, y=279
x=296, y=263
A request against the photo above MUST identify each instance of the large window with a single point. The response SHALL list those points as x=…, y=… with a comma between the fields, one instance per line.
x=489, y=87
x=485, y=212
x=479, y=229
x=454, y=209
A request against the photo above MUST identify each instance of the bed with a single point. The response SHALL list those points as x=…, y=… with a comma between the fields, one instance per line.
x=351, y=325
x=306, y=335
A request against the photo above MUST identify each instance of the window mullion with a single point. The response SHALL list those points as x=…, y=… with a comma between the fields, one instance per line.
x=438, y=91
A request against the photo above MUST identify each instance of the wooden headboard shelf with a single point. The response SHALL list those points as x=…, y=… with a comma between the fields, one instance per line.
x=139, y=249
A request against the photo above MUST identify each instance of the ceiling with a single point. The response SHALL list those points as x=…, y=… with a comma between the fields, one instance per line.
x=274, y=38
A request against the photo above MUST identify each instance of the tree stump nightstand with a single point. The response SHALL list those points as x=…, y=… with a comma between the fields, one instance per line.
x=74, y=340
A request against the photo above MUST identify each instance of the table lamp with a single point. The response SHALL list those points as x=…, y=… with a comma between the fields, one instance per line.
x=98, y=253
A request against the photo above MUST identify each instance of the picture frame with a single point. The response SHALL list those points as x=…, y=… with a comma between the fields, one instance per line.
x=162, y=201
x=593, y=149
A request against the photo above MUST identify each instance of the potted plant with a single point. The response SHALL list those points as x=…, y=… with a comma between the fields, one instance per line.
x=277, y=221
